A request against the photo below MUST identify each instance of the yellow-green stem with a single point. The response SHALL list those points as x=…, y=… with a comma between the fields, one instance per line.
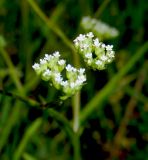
x=76, y=146
x=76, y=110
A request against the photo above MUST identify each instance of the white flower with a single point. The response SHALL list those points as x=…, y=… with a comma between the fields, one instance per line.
x=90, y=35
x=111, y=54
x=101, y=29
x=81, y=37
x=96, y=42
x=81, y=70
x=58, y=78
x=114, y=32
x=47, y=73
x=85, y=46
x=69, y=68
x=88, y=55
x=103, y=58
x=61, y=62
x=98, y=62
x=47, y=57
x=64, y=83
x=56, y=54
x=81, y=78
x=43, y=61
x=36, y=66
x=74, y=69
x=76, y=43
x=72, y=85
x=103, y=45
x=109, y=47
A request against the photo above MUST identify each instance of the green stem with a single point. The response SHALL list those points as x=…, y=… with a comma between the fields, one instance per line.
x=64, y=123
x=101, y=8
x=32, y=129
x=13, y=72
x=76, y=136
x=11, y=121
x=76, y=110
x=25, y=54
x=27, y=156
x=21, y=98
x=138, y=95
x=50, y=24
x=76, y=146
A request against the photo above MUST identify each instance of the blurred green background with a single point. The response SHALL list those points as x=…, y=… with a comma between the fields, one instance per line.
x=114, y=102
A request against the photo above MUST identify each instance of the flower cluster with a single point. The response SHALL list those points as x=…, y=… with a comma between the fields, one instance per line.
x=99, y=28
x=95, y=53
x=51, y=68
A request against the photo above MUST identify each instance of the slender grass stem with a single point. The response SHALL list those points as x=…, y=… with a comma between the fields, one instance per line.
x=61, y=120
x=121, y=132
x=101, y=8
x=139, y=96
x=74, y=136
x=27, y=156
x=11, y=121
x=50, y=24
x=26, y=138
x=13, y=72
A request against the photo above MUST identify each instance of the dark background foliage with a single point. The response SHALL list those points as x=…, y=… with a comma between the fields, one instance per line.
x=109, y=132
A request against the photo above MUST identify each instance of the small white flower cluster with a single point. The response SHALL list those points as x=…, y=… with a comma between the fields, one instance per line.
x=95, y=53
x=51, y=68
x=99, y=28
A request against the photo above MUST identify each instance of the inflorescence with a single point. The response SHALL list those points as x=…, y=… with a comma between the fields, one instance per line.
x=51, y=69
x=67, y=78
x=95, y=53
x=99, y=28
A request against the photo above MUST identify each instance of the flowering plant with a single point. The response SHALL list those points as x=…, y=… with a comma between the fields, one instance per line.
x=51, y=68
x=99, y=28
x=96, y=55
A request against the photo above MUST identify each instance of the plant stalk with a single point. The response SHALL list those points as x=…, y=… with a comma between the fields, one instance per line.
x=76, y=108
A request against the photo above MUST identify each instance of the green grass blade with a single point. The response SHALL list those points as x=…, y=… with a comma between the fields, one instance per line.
x=32, y=129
